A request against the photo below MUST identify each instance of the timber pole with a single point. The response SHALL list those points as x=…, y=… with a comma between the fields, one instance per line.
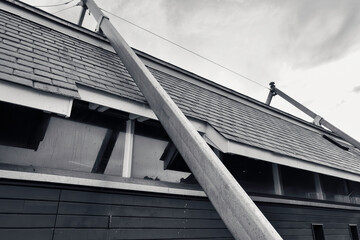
x=317, y=119
x=238, y=211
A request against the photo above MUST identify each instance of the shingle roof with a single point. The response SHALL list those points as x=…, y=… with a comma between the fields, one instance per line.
x=39, y=57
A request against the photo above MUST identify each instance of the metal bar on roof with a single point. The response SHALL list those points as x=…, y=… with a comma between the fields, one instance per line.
x=82, y=14
x=318, y=120
x=238, y=211
x=271, y=93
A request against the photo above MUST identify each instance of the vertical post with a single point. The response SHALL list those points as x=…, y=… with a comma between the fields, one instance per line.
x=319, y=191
x=128, y=148
x=240, y=214
x=277, y=180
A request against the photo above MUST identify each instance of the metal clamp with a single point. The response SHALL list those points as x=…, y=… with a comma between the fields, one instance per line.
x=317, y=120
x=99, y=21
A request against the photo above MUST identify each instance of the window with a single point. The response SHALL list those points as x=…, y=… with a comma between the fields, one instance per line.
x=66, y=145
x=354, y=191
x=146, y=160
x=297, y=182
x=354, y=232
x=318, y=232
x=253, y=175
x=88, y=142
x=335, y=189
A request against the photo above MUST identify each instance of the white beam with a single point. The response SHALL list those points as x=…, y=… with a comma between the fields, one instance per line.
x=102, y=109
x=318, y=187
x=29, y=97
x=277, y=179
x=128, y=148
x=115, y=102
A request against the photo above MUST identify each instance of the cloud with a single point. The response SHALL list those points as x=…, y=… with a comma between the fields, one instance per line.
x=356, y=89
x=321, y=31
x=257, y=38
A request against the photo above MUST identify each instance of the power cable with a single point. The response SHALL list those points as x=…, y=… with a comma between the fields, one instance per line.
x=186, y=49
x=64, y=9
x=55, y=5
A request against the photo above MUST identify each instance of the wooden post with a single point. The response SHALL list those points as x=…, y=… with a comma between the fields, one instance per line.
x=238, y=211
x=277, y=180
x=128, y=148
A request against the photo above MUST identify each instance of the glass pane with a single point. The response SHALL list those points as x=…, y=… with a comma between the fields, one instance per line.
x=354, y=232
x=146, y=160
x=66, y=145
x=297, y=182
x=115, y=164
x=334, y=188
x=354, y=192
x=253, y=175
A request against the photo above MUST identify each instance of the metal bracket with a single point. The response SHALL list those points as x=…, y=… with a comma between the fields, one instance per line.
x=272, y=93
x=99, y=21
x=317, y=120
x=273, y=88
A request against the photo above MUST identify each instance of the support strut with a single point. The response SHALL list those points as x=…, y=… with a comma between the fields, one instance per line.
x=238, y=211
x=317, y=119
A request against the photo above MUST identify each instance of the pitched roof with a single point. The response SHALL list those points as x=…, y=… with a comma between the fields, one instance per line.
x=36, y=56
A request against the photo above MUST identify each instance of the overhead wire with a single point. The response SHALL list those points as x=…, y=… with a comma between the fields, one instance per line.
x=64, y=9
x=186, y=49
x=55, y=5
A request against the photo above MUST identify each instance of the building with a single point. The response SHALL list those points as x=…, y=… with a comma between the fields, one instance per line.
x=83, y=156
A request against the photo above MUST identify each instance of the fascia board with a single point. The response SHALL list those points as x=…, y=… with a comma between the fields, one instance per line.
x=28, y=97
x=112, y=101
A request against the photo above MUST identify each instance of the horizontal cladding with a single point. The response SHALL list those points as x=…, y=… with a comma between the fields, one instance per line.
x=295, y=222
x=56, y=212
x=42, y=211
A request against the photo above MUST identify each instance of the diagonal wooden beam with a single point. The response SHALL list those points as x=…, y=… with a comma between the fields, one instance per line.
x=238, y=211
x=105, y=151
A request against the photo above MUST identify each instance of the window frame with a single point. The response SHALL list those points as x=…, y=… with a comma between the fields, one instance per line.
x=316, y=225
x=356, y=237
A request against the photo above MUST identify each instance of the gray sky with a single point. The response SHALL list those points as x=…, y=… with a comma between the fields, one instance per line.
x=311, y=49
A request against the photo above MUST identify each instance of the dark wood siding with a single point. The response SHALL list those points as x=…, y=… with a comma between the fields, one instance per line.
x=294, y=222
x=27, y=212
x=49, y=211
x=43, y=211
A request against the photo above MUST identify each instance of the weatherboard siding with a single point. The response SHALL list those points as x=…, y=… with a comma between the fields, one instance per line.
x=50, y=211
x=43, y=211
